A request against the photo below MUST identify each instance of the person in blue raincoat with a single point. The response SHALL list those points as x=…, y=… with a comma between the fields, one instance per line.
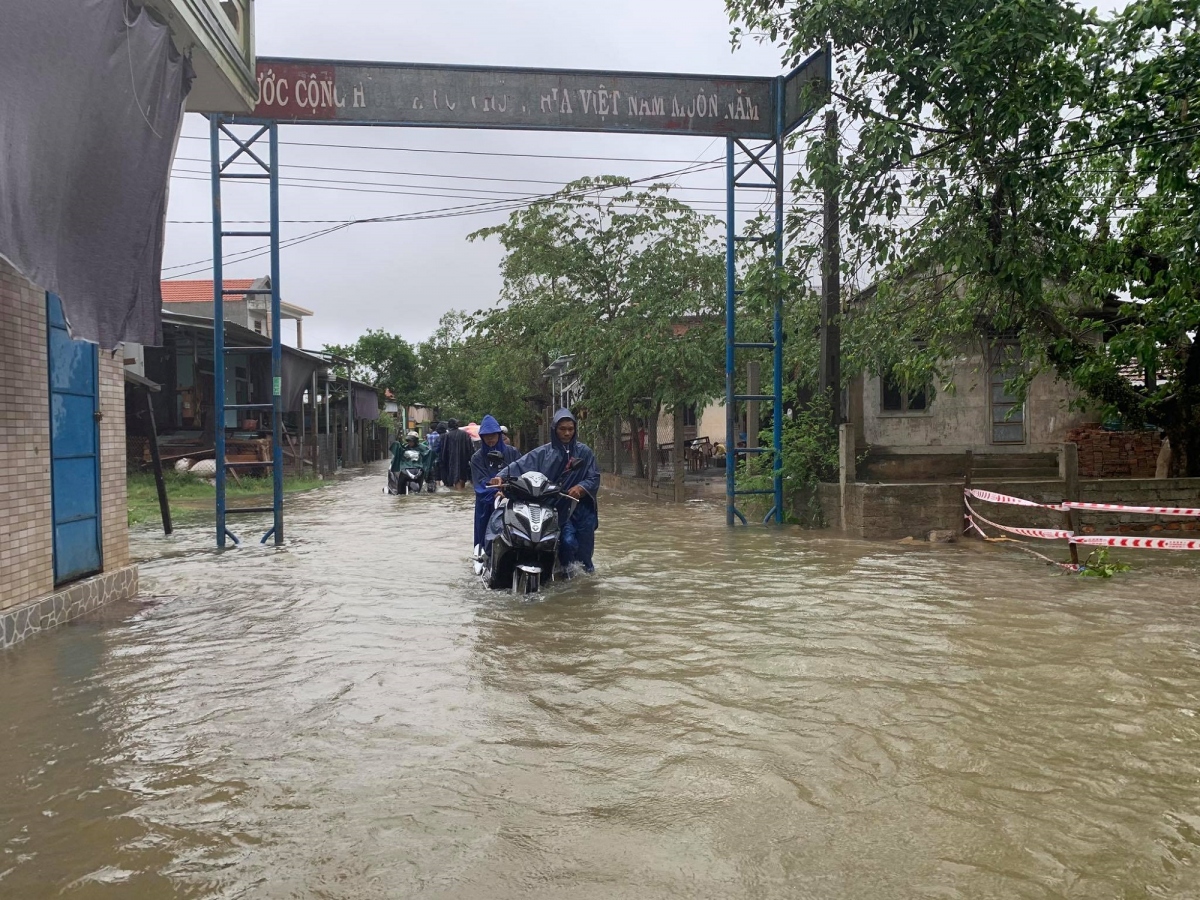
x=572, y=465
x=483, y=470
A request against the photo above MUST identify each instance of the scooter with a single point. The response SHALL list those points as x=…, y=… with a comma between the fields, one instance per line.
x=410, y=478
x=524, y=554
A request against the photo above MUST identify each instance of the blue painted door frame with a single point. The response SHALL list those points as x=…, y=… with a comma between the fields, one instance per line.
x=74, y=449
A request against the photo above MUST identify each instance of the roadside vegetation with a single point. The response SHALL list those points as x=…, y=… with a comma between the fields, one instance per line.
x=1025, y=171
x=192, y=498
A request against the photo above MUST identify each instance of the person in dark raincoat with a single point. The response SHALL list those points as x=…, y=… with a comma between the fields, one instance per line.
x=456, y=452
x=434, y=440
x=484, y=470
x=412, y=441
x=572, y=465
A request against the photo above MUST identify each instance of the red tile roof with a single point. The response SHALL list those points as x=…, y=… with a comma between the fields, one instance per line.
x=197, y=291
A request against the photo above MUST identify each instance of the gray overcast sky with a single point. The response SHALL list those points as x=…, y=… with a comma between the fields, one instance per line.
x=403, y=276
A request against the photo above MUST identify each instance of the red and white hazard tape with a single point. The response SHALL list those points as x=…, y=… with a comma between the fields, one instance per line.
x=992, y=497
x=1044, y=534
x=1090, y=540
x=1066, y=505
x=1096, y=540
x=1148, y=510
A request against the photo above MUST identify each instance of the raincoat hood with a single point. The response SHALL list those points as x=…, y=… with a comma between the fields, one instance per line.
x=489, y=426
x=559, y=416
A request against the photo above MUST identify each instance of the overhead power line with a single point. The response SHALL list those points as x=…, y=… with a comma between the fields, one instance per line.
x=489, y=206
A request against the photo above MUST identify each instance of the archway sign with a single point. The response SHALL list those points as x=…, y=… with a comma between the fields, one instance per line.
x=754, y=115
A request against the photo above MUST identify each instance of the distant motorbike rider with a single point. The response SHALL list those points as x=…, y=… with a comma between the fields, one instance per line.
x=572, y=465
x=483, y=469
x=412, y=441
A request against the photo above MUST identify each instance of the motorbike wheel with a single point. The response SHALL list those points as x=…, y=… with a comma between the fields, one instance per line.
x=525, y=583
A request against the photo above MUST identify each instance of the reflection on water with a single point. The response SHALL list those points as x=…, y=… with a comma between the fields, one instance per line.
x=716, y=714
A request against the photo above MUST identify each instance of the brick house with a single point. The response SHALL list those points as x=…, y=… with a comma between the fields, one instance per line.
x=64, y=308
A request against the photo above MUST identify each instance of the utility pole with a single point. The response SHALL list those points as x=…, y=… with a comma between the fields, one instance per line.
x=831, y=278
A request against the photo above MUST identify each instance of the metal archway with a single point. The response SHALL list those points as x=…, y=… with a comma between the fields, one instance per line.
x=339, y=92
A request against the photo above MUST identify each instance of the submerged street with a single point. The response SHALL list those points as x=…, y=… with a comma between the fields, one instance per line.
x=754, y=713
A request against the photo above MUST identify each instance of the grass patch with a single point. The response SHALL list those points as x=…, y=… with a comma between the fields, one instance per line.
x=192, y=498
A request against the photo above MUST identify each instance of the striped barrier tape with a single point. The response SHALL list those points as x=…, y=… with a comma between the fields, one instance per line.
x=1147, y=510
x=992, y=497
x=1096, y=540
x=1090, y=540
x=1066, y=505
x=1044, y=534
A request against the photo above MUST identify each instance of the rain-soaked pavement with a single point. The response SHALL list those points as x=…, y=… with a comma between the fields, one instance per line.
x=714, y=715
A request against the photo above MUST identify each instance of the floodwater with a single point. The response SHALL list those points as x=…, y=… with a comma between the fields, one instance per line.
x=715, y=714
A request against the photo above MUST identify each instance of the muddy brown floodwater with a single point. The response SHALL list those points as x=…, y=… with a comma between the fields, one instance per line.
x=715, y=714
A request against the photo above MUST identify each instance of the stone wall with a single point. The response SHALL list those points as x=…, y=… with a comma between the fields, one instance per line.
x=663, y=489
x=1116, y=454
x=894, y=511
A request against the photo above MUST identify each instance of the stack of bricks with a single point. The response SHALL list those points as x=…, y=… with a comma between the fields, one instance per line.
x=1116, y=454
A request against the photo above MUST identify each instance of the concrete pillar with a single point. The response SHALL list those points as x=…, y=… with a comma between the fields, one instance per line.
x=753, y=386
x=1068, y=464
x=679, y=469
x=299, y=334
x=846, y=472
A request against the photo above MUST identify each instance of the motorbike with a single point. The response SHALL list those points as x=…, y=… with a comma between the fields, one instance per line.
x=524, y=554
x=410, y=478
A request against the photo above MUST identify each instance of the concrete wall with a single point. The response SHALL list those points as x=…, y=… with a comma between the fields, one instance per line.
x=710, y=422
x=26, y=529
x=960, y=418
x=894, y=511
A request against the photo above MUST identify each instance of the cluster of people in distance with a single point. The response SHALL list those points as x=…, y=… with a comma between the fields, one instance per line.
x=451, y=456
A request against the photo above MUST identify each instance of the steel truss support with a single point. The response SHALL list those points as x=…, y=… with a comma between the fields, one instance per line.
x=745, y=169
x=247, y=148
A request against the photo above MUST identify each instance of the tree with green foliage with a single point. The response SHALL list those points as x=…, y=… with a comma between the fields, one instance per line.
x=475, y=364
x=382, y=359
x=630, y=282
x=1010, y=168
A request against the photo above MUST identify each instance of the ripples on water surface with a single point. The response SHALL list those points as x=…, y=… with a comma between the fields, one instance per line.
x=717, y=714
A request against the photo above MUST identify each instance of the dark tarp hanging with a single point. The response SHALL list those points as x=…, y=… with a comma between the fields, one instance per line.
x=90, y=111
x=366, y=403
x=297, y=369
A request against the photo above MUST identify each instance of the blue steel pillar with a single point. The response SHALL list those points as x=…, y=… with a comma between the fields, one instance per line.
x=276, y=348
x=214, y=139
x=733, y=181
x=266, y=170
x=730, y=334
x=777, y=317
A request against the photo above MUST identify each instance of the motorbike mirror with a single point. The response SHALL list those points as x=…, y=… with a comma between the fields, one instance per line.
x=495, y=456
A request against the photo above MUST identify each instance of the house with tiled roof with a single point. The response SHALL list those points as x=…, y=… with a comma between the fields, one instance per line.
x=252, y=310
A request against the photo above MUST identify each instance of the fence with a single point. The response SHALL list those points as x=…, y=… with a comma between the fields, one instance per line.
x=646, y=449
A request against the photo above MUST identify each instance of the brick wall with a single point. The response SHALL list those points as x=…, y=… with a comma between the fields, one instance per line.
x=114, y=507
x=26, y=531
x=1116, y=454
x=26, y=539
